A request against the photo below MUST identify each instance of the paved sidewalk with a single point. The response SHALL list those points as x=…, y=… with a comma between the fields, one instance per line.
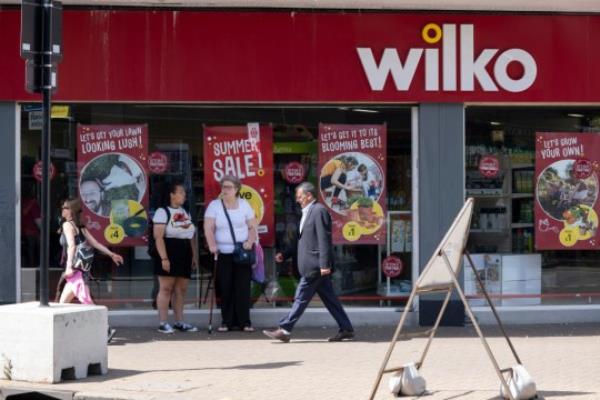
x=144, y=364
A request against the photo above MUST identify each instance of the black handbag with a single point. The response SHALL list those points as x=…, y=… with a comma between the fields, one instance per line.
x=240, y=254
x=84, y=257
x=84, y=254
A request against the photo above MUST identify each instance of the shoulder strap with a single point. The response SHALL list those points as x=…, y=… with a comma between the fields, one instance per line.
x=229, y=221
x=79, y=237
x=167, y=211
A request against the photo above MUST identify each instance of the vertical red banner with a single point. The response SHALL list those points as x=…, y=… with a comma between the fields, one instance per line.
x=352, y=165
x=566, y=207
x=245, y=152
x=113, y=182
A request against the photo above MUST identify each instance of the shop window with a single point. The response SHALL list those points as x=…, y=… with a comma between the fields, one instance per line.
x=175, y=139
x=523, y=159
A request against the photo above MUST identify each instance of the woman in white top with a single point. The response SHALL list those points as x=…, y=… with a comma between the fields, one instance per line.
x=175, y=237
x=233, y=279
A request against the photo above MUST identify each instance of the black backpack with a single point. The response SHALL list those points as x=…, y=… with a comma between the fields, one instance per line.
x=152, y=251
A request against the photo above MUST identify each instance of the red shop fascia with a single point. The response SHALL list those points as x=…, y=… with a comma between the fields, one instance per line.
x=128, y=55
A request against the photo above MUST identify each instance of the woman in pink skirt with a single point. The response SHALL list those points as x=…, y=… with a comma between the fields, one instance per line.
x=73, y=232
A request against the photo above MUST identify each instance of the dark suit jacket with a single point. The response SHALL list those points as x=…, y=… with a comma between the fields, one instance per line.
x=315, y=250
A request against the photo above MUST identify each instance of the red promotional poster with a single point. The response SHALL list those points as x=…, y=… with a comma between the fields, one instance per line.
x=245, y=152
x=113, y=182
x=567, y=166
x=352, y=165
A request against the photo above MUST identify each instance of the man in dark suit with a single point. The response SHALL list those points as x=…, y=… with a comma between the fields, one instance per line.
x=315, y=261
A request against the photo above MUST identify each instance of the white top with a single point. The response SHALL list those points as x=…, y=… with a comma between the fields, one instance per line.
x=304, y=214
x=179, y=226
x=239, y=219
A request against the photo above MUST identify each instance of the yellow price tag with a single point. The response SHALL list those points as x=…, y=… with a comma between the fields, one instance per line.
x=352, y=231
x=568, y=237
x=114, y=234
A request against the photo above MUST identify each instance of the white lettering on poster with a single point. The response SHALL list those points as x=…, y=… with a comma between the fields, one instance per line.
x=473, y=67
x=241, y=158
x=561, y=148
x=112, y=140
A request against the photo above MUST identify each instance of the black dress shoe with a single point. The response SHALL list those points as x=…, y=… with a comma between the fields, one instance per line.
x=342, y=335
x=278, y=334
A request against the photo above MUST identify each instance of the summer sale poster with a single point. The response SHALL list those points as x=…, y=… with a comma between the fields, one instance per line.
x=247, y=153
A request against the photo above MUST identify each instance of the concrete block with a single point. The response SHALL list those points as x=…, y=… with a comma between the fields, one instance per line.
x=41, y=344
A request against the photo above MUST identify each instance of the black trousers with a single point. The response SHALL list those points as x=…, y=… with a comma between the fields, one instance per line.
x=234, y=286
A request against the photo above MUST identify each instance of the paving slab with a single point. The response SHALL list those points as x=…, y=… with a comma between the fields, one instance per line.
x=145, y=364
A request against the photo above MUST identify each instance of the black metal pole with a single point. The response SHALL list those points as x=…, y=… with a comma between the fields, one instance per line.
x=46, y=135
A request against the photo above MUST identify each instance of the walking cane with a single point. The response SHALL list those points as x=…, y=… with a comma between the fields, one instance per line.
x=213, y=294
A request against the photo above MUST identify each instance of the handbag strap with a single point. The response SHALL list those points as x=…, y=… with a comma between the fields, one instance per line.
x=229, y=221
x=79, y=236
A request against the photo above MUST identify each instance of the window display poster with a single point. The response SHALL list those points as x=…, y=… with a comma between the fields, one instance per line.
x=113, y=182
x=248, y=154
x=567, y=166
x=352, y=161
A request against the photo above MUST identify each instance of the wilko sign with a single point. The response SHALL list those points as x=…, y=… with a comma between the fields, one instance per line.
x=294, y=172
x=489, y=166
x=392, y=267
x=158, y=162
x=455, y=62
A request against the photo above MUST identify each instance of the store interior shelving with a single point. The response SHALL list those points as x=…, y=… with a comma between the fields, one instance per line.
x=503, y=215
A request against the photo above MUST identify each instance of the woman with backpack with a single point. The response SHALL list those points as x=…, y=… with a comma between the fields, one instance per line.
x=73, y=233
x=176, y=256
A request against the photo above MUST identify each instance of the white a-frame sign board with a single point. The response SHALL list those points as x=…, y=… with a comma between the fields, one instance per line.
x=441, y=275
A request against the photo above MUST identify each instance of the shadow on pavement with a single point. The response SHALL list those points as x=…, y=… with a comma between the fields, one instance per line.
x=369, y=334
x=114, y=374
x=560, y=394
x=541, y=395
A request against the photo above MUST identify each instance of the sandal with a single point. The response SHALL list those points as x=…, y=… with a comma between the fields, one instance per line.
x=248, y=328
x=223, y=328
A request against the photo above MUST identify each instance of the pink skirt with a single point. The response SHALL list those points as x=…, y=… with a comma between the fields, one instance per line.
x=76, y=284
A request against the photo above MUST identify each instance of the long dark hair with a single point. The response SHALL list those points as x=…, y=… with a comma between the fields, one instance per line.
x=74, y=205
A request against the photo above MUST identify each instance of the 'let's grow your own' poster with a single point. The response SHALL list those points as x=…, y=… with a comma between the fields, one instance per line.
x=566, y=206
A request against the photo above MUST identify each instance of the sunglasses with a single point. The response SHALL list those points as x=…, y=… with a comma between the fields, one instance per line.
x=66, y=208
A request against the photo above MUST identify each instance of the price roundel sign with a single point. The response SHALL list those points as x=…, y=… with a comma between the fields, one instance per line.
x=489, y=166
x=158, y=162
x=582, y=168
x=392, y=267
x=294, y=172
x=37, y=171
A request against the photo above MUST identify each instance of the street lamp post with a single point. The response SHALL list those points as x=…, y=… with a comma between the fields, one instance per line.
x=41, y=27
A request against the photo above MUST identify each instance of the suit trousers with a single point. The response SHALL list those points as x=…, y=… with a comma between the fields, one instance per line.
x=304, y=293
x=234, y=287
